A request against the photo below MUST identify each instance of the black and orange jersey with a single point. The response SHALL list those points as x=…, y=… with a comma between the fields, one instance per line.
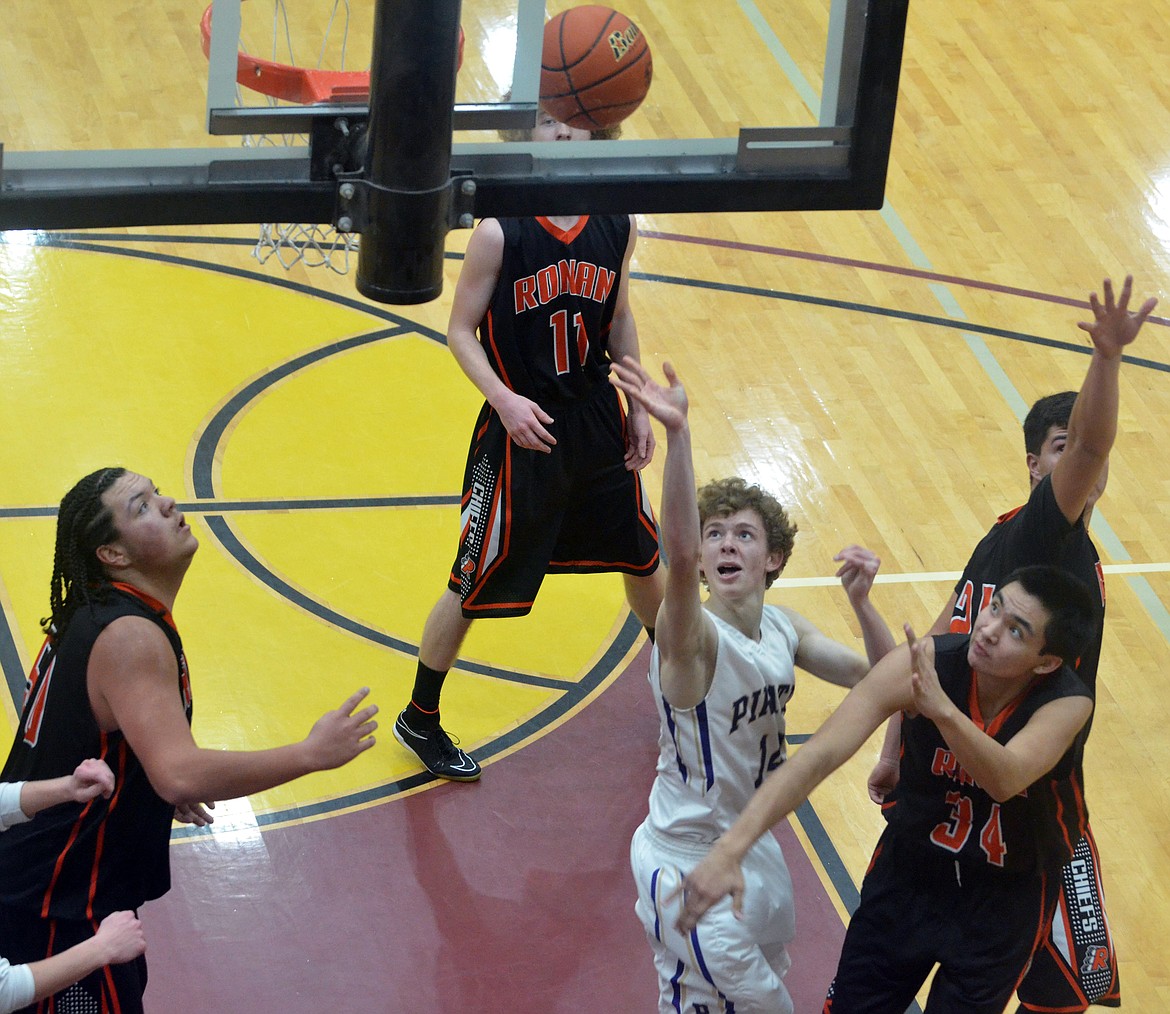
x=1037, y=532
x=84, y=861
x=939, y=806
x=546, y=330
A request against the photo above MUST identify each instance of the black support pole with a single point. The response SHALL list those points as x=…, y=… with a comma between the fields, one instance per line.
x=407, y=166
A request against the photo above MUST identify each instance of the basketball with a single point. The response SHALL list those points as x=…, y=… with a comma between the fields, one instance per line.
x=595, y=67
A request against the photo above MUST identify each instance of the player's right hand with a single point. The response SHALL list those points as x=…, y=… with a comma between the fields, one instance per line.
x=525, y=421
x=339, y=736
x=883, y=779
x=1113, y=327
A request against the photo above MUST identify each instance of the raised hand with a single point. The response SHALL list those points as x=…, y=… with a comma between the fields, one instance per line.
x=1113, y=326
x=929, y=697
x=666, y=404
x=859, y=566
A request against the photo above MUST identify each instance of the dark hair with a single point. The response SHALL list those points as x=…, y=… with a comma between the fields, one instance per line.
x=1050, y=411
x=1069, y=602
x=724, y=497
x=84, y=522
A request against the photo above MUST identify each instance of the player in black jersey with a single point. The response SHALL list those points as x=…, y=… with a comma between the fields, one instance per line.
x=988, y=810
x=551, y=483
x=1067, y=439
x=111, y=682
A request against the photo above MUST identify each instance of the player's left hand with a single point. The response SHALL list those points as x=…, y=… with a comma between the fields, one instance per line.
x=90, y=779
x=640, y=441
x=195, y=813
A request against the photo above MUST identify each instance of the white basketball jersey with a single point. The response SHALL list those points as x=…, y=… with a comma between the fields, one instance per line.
x=712, y=757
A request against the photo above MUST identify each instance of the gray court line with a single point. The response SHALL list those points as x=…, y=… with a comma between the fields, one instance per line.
x=822, y=843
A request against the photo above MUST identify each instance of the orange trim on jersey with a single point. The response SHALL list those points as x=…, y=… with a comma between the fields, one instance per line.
x=102, y=755
x=560, y=234
x=493, y=606
x=997, y=722
x=1081, y=811
x=57, y=867
x=99, y=848
x=486, y=326
x=115, y=1004
x=1041, y=935
x=608, y=566
x=1010, y=514
x=154, y=603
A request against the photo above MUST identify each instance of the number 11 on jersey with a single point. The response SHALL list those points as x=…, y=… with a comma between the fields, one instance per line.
x=559, y=322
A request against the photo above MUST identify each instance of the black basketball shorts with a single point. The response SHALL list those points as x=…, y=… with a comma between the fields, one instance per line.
x=526, y=513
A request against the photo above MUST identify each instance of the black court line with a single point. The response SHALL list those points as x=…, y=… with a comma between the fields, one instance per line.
x=209, y=441
x=227, y=538
x=214, y=506
x=66, y=240
x=605, y=667
x=813, y=827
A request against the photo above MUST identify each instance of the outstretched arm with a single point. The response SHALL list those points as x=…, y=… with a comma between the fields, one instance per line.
x=684, y=635
x=524, y=420
x=832, y=661
x=1092, y=426
x=623, y=344
x=884, y=776
x=132, y=687
x=885, y=690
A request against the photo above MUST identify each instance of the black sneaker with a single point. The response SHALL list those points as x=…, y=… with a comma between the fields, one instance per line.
x=439, y=755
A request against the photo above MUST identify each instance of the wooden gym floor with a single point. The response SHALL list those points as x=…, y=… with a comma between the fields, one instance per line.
x=868, y=367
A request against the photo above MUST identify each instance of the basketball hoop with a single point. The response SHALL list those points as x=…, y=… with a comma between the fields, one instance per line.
x=280, y=78
x=314, y=245
x=304, y=86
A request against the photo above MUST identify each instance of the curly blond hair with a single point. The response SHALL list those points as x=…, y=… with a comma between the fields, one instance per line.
x=724, y=497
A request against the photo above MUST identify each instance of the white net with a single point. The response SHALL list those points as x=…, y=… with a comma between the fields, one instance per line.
x=317, y=246
x=313, y=245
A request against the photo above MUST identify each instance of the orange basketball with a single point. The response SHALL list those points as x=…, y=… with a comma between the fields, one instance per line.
x=595, y=68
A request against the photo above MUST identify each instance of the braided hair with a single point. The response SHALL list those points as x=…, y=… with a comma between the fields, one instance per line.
x=84, y=522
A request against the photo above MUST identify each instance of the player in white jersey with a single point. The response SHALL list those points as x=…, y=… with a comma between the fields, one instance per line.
x=722, y=672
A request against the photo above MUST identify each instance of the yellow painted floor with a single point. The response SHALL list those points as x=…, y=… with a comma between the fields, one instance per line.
x=868, y=367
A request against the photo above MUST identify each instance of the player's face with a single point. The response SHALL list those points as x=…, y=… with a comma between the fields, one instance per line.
x=151, y=530
x=550, y=129
x=1043, y=463
x=1008, y=639
x=734, y=554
